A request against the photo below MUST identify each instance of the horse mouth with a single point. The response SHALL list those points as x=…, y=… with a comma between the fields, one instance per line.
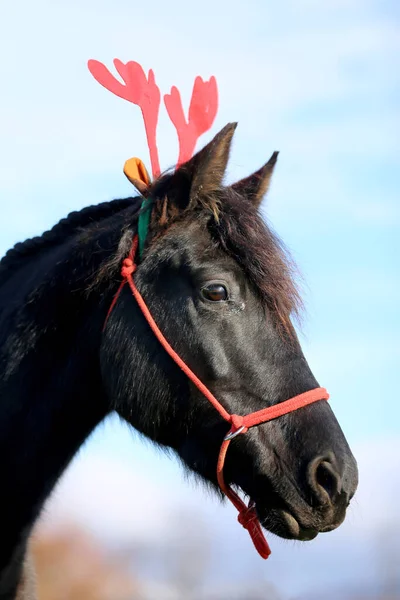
x=283, y=523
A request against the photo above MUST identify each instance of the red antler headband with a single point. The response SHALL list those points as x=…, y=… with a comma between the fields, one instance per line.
x=143, y=91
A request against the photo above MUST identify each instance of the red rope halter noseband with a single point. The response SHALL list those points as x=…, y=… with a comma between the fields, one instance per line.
x=247, y=514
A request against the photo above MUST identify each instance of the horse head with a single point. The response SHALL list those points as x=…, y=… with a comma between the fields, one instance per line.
x=221, y=288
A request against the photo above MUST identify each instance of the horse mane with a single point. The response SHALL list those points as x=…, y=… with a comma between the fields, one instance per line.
x=235, y=225
x=63, y=229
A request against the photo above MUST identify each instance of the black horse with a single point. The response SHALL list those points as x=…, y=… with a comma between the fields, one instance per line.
x=221, y=288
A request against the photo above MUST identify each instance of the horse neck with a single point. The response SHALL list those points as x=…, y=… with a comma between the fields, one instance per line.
x=50, y=384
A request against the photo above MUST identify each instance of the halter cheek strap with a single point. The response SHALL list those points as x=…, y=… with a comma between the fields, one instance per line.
x=239, y=424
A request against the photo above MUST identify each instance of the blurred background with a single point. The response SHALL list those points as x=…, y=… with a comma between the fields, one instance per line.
x=320, y=82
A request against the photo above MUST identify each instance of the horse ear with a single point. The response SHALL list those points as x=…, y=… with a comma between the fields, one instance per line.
x=209, y=165
x=256, y=185
x=203, y=173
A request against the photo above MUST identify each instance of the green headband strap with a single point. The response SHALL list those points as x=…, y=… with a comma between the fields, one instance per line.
x=143, y=223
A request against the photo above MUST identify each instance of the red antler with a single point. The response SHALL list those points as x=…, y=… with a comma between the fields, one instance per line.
x=139, y=90
x=202, y=112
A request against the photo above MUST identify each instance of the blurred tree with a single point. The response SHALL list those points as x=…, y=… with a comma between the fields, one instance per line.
x=71, y=566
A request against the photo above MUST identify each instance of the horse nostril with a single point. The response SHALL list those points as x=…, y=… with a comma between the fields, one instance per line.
x=324, y=480
x=327, y=478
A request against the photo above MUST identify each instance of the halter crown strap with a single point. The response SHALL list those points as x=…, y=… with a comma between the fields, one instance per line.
x=143, y=224
x=247, y=516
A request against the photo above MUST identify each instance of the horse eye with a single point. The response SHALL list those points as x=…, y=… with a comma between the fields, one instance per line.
x=215, y=292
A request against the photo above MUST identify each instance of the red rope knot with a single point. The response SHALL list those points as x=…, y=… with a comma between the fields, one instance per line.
x=128, y=267
x=238, y=423
x=247, y=516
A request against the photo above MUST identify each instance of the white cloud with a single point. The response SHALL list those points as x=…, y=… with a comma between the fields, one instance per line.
x=105, y=495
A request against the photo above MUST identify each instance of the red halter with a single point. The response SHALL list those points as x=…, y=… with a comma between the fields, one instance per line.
x=247, y=514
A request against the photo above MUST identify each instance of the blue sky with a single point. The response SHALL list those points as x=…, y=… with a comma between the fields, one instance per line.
x=318, y=81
